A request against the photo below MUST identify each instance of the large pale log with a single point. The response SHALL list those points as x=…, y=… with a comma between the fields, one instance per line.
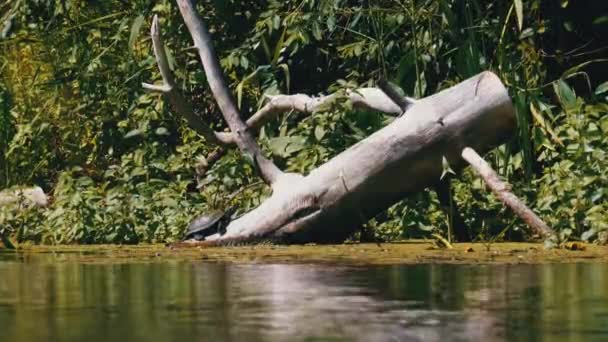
x=404, y=157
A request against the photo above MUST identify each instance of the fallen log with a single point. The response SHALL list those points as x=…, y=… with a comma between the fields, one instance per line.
x=24, y=197
x=404, y=157
x=334, y=200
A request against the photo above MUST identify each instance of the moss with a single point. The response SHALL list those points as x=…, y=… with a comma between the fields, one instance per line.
x=411, y=252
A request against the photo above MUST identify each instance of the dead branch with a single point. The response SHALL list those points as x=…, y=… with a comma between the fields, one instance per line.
x=169, y=89
x=223, y=96
x=502, y=191
x=401, y=158
x=363, y=98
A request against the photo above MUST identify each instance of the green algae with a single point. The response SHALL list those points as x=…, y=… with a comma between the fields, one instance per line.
x=410, y=252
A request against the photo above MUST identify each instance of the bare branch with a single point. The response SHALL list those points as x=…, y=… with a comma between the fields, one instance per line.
x=502, y=191
x=168, y=88
x=364, y=98
x=215, y=77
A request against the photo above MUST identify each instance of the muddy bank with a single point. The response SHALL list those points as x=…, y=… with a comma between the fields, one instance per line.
x=410, y=252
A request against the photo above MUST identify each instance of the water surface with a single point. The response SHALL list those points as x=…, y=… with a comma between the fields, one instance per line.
x=60, y=298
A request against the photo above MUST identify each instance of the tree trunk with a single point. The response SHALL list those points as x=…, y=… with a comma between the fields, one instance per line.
x=404, y=157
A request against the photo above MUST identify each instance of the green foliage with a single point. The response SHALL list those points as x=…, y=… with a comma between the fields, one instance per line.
x=121, y=165
x=573, y=189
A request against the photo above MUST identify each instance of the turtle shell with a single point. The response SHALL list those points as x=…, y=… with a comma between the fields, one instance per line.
x=204, y=225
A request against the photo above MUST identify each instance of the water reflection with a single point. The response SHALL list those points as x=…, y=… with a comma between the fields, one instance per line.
x=64, y=300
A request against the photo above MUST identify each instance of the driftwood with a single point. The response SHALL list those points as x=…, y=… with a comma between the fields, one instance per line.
x=24, y=197
x=332, y=201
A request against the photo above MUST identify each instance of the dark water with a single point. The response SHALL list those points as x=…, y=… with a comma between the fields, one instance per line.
x=63, y=299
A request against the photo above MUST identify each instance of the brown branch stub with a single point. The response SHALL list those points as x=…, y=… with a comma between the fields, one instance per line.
x=502, y=191
x=225, y=100
x=207, y=163
x=403, y=102
x=169, y=89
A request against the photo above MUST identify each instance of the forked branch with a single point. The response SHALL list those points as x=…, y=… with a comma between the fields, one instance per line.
x=223, y=96
x=179, y=103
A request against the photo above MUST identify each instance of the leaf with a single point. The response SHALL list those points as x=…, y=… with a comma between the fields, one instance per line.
x=285, y=146
x=278, y=145
x=279, y=47
x=162, y=131
x=576, y=69
x=316, y=31
x=244, y=62
x=538, y=117
x=602, y=88
x=600, y=20
x=319, y=132
x=331, y=23
x=135, y=28
x=276, y=22
x=519, y=11
x=446, y=168
x=566, y=95
x=170, y=57
x=296, y=144
x=134, y=133
x=241, y=85
x=285, y=68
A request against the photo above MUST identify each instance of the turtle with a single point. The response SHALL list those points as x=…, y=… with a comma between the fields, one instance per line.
x=212, y=223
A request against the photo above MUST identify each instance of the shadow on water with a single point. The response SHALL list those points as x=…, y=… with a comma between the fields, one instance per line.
x=184, y=300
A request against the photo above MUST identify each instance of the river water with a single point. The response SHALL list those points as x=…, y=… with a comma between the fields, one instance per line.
x=66, y=299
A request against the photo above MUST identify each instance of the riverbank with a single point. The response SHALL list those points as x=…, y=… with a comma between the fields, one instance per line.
x=409, y=252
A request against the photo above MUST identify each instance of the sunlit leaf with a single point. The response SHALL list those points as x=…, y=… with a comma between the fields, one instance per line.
x=566, y=95
x=446, y=168
x=135, y=28
x=319, y=133
x=134, y=133
x=162, y=131
x=519, y=11
x=602, y=88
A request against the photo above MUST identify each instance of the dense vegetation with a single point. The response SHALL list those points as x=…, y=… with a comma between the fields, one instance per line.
x=121, y=166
